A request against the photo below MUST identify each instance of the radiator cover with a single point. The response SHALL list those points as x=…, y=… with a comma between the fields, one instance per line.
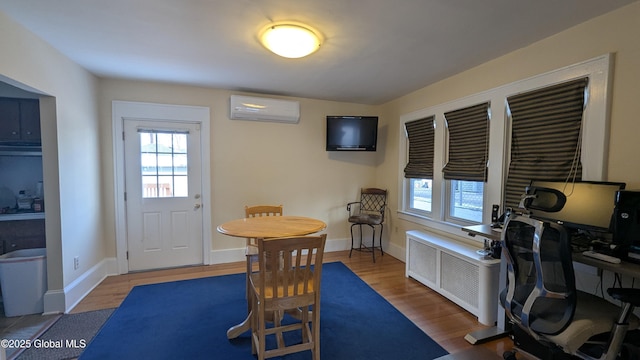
x=456, y=271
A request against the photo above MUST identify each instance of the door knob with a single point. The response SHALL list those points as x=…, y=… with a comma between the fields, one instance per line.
x=197, y=206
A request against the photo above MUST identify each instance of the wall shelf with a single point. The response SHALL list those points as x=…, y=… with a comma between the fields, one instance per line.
x=22, y=216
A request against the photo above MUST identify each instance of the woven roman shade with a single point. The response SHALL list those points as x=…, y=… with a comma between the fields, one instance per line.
x=546, y=136
x=420, y=134
x=468, y=143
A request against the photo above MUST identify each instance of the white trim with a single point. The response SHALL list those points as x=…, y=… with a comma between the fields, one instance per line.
x=58, y=301
x=82, y=286
x=151, y=111
x=595, y=136
x=54, y=302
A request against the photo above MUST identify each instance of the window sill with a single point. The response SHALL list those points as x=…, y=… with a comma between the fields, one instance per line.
x=446, y=228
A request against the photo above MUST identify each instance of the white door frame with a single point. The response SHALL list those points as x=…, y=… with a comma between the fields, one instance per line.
x=149, y=111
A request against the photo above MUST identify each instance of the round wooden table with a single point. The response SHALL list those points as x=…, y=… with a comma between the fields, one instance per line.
x=262, y=228
x=271, y=226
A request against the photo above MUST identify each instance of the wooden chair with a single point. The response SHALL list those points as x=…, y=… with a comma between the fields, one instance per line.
x=261, y=210
x=368, y=211
x=288, y=278
x=251, y=251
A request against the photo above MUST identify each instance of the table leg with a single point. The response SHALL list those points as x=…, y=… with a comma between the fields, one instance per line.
x=245, y=325
x=236, y=330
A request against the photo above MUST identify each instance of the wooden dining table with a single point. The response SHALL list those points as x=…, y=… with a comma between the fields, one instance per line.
x=262, y=228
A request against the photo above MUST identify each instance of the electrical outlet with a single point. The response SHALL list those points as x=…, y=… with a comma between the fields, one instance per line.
x=76, y=263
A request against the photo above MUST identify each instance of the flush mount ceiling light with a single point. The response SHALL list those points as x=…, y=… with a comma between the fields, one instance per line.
x=290, y=40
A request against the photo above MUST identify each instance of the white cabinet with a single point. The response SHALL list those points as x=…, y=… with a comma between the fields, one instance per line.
x=456, y=271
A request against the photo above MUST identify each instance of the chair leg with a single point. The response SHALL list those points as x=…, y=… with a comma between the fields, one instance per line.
x=380, y=240
x=276, y=324
x=350, y=251
x=248, y=285
x=261, y=334
x=254, y=328
x=315, y=332
x=373, y=243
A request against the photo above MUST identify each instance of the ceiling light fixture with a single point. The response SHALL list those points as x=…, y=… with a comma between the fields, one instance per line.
x=290, y=40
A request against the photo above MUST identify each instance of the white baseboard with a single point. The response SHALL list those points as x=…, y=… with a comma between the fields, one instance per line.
x=63, y=300
x=234, y=255
x=53, y=302
x=396, y=251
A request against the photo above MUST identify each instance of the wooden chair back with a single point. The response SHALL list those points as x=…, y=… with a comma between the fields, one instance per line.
x=258, y=211
x=262, y=210
x=288, y=278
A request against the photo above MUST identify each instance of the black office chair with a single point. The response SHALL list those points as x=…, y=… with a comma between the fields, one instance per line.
x=552, y=318
x=368, y=211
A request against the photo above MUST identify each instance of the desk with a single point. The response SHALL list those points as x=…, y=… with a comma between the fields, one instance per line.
x=486, y=231
x=500, y=330
x=624, y=268
x=267, y=227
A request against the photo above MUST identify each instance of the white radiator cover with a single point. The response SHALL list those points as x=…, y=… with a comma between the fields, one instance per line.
x=456, y=271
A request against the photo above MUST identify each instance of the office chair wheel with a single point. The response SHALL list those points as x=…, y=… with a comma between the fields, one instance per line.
x=509, y=355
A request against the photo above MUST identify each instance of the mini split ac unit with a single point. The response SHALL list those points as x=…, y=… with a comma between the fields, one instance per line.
x=264, y=109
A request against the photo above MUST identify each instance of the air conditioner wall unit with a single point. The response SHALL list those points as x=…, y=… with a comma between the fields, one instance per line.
x=263, y=109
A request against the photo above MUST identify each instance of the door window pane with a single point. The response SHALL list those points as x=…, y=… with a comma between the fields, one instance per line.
x=163, y=158
x=465, y=200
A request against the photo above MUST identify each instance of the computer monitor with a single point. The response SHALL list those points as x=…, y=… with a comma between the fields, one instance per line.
x=589, y=204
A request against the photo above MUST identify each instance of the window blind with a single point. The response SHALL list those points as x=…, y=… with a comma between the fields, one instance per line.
x=546, y=136
x=420, y=134
x=468, y=143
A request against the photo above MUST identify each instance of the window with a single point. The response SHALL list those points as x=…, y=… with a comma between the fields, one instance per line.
x=164, y=164
x=466, y=200
x=419, y=168
x=546, y=129
x=420, y=194
x=466, y=168
x=447, y=199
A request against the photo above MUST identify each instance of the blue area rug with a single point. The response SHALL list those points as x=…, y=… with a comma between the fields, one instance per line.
x=189, y=319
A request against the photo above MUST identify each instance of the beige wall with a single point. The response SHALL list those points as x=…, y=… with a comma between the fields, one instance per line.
x=71, y=152
x=255, y=162
x=295, y=171
x=615, y=32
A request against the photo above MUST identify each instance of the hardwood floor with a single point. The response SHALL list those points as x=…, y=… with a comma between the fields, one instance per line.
x=442, y=320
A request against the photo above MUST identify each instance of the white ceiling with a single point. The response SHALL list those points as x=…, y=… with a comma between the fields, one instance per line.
x=374, y=50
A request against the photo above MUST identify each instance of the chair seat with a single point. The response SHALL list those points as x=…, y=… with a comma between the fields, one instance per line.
x=594, y=315
x=370, y=219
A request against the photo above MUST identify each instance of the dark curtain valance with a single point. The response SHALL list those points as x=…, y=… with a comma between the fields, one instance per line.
x=420, y=134
x=546, y=136
x=468, y=143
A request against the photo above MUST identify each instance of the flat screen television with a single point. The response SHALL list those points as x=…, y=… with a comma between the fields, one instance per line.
x=589, y=204
x=352, y=133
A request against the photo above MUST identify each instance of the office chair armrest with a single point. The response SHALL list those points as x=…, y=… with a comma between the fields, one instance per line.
x=626, y=295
